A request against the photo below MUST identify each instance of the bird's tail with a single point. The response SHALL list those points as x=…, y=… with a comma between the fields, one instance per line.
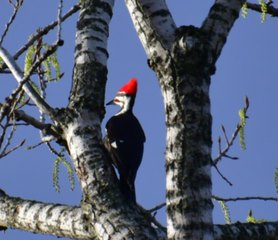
x=128, y=190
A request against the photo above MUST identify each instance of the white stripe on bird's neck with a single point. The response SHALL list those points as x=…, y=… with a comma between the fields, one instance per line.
x=124, y=101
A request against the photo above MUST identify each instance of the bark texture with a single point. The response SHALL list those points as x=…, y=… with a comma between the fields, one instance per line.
x=37, y=217
x=184, y=59
x=102, y=200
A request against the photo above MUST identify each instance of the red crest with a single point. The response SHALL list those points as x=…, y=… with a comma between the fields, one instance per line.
x=130, y=88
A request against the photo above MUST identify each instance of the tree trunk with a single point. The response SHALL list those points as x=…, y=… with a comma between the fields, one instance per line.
x=102, y=201
x=184, y=59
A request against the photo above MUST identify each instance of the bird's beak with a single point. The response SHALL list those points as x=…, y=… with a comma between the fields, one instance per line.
x=110, y=103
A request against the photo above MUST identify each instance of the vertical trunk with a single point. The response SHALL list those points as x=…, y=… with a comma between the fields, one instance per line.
x=104, y=208
x=185, y=79
x=188, y=169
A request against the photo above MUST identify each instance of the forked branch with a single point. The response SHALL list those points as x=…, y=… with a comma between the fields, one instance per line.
x=26, y=86
x=223, y=152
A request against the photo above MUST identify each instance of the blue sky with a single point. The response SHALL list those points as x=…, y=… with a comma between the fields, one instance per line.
x=247, y=66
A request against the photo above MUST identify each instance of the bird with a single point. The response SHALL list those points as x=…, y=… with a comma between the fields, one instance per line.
x=125, y=139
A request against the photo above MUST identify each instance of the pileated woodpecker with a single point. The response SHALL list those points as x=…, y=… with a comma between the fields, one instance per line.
x=125, y=139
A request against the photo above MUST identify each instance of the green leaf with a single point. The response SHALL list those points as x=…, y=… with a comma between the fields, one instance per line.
x=1, y=62
x=47, y=68
x=244, y=10
x=243, y=117
x=55, y=177
x=70, y=172
x=276, y=179
x=49, y=63
x=251, y=219
x=263, y=9
x=226, y=212
x=56, y=65
x=29, y=59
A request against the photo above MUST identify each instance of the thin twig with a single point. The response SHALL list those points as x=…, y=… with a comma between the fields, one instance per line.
x=223, y=152
x=4, y=154
x=23, y=81
x=221, y=175
x=224, y=200
x=45, y=31
x=9, y=138
x=244, y=199
x=59, y=20
x=230, y=142
x=158, y=207
x=12, y=18
x=4, y=130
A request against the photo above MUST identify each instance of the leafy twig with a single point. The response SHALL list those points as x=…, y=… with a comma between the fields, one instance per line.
x=257, y=7
x=23, y=81
x=225, y=211
x=61, y=159
x=243, y=118
x=229, y=142
x=251, y=219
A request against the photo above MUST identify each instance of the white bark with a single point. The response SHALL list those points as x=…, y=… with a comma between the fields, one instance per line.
x=106, y=210
x=154, y=25
x=184, y=60
x=37, y=217
x=219, y=22
x=92, y=40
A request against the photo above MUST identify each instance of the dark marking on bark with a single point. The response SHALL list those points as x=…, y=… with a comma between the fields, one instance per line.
x=160, y=13
x=88, y=88
x=92, y=6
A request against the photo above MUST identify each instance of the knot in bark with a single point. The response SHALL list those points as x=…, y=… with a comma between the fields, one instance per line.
x=190, y=50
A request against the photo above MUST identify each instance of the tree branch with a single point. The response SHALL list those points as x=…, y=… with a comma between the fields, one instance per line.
x=246, y=231
x=257, y=7
x=218, y=24
x=37, y=217
x=12, y=18
x=106, y=208
x=223, y=152
x=154, y=24
x=70, y=221
x=16, y=71
x=7, y=152
x=245, y=199
x=45, y=31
